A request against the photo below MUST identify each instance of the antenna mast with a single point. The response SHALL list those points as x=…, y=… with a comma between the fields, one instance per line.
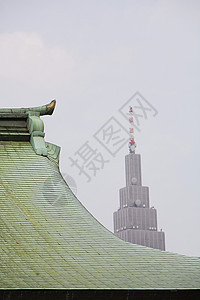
x=132, y=144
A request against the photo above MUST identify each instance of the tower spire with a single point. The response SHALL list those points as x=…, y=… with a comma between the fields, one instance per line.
x=132, y=144
x=135, y=221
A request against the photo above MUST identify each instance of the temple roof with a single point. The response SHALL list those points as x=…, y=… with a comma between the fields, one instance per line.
x=47, y=109
x=49, y=240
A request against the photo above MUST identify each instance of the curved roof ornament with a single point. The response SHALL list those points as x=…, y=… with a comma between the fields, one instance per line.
x=50, y=107
x=47, y=109
x=24, y=124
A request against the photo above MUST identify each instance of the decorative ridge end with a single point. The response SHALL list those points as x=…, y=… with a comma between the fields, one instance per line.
x=50, y=107
x=25, y=124
x=47, y=109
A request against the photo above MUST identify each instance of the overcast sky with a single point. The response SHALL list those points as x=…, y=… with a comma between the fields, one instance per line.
x=92, y=56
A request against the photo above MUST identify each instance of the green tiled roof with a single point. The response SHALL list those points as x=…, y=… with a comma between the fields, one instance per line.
x=49, y=240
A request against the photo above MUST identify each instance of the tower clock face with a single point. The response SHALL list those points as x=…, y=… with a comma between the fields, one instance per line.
x=134, y=180
x=138, y=202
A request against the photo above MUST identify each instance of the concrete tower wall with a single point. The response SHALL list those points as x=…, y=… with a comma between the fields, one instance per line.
x=140, y=218
x=133, y=169
x=135, y=221
x=153, y=239
x=130, y=194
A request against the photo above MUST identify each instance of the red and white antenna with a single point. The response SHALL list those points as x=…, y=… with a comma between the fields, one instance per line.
x=132, y=144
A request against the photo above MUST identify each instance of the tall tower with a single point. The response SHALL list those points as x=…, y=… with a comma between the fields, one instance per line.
x=135, y=221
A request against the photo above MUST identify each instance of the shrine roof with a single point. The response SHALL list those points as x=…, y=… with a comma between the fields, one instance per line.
x=48, y=240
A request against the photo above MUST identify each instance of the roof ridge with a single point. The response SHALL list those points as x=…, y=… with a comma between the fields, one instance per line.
x=47, y=109
x=24, y=124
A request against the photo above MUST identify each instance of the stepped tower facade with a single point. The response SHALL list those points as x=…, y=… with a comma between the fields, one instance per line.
x=135, y=221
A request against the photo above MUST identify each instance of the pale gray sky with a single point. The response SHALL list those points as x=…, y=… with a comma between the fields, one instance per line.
x=92, y=56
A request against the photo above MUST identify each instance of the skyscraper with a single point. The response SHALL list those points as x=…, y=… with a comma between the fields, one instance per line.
x=135, y=221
